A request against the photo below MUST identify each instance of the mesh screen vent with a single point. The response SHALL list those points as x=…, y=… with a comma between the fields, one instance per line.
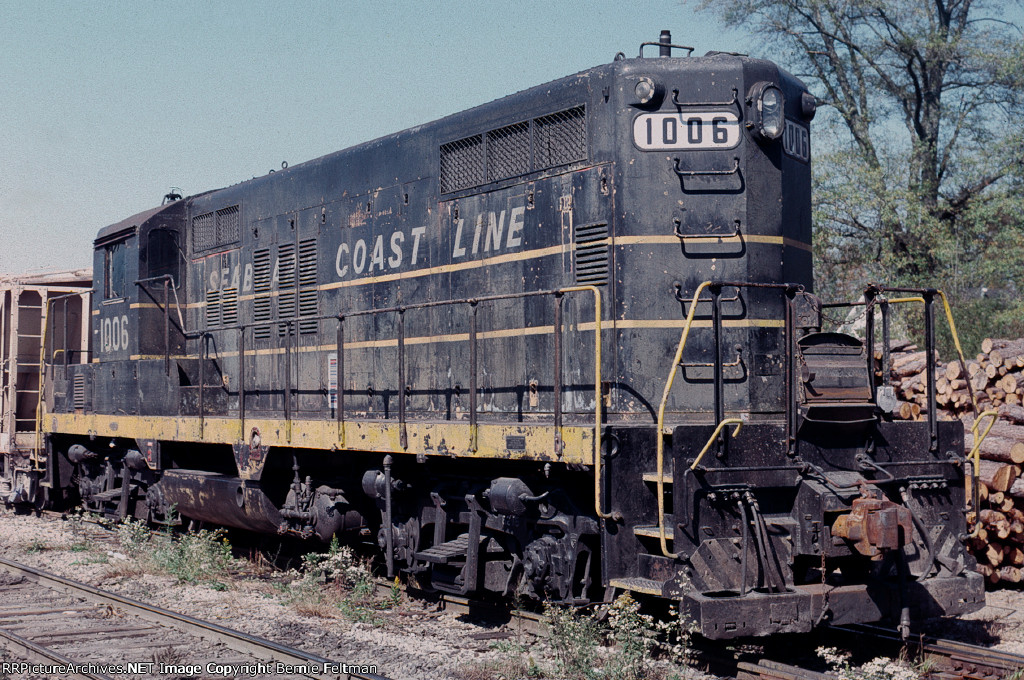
x=591, y=254
x=560, y=138
x=204, y=232
x=514, y=150
x=508, y=152
x=462, y=164
x=261, y=286
x=215, y=229
x=227, y=225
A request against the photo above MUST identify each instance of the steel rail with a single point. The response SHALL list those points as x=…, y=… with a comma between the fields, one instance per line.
x=30, y=651
x=233, y=639
x=950, y=658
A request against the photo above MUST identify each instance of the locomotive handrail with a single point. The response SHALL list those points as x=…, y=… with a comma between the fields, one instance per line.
x=959, y=350
x=169, y=285
x=660, y=436
x=701, y=173
x=678, y=287
x=473, y=303
x=925, y=295
x=663, y=45
x=735, y=100
x=711, y=440
x=715, y=287
x=683, y=237
x=168, y=280
x=975, y=457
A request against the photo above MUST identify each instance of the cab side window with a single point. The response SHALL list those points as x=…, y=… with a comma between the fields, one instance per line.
x=114, y=266
x=163, y=255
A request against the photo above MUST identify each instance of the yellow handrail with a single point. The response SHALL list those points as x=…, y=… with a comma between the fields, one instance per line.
x=975, y=457
x=660, y=436
x=975, y=454
x=597, y=393
x=718, y=430
x=952, y=329
x=959, y=350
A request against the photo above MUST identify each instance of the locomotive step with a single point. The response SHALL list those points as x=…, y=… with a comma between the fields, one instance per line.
x=651, y=530
x=103, y=497
x=652, y=477
x=636, y=584
x=446, y=553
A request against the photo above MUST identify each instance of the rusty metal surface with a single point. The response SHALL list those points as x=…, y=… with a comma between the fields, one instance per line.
x=875, y=526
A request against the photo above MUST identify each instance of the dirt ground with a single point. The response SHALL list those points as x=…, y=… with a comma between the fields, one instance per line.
x=407, y=640
x=999, y=624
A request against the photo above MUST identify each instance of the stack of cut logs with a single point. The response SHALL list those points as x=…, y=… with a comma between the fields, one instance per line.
x=996, y=377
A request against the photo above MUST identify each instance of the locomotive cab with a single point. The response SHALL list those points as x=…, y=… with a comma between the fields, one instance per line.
x=138, y=276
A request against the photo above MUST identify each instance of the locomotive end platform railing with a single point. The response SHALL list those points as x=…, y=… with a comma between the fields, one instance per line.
x=875, y=295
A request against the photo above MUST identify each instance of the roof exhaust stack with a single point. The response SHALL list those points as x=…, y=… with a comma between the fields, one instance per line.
x=665, y=50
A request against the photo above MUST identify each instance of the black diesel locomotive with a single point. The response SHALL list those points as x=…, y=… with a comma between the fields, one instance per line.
x=562, y=344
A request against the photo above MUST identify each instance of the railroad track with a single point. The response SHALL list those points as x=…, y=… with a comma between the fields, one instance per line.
x=943, y=659
x=61, y=627
x=939, y=659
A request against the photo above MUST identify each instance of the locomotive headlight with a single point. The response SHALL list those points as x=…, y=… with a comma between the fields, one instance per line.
x=647, y=92
x=768, y=114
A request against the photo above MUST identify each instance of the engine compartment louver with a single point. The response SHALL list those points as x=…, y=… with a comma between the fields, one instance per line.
x=590, y=257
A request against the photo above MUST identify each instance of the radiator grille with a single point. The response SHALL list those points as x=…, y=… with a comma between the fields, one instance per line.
x=462, y=164
x=508, y=152
x=560, y=138
x=591, y=255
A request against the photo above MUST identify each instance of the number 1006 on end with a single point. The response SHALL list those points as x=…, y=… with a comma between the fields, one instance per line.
x=695, y=131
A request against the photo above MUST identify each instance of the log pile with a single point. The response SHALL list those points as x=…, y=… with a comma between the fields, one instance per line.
x=999, y=541
x=996, y=376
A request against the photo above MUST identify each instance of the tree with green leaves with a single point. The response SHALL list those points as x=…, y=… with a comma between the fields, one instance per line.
x=919, y=158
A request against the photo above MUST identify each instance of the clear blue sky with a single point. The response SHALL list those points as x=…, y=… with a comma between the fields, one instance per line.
x=106, y=105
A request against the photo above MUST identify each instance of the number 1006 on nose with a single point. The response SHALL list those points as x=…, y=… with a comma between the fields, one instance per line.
x=706, y=130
